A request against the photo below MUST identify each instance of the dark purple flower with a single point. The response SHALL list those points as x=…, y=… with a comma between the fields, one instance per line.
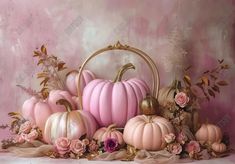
x=110, y=145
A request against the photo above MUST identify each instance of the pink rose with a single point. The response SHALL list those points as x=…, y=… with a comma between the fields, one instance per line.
x=169, y=137
x=176, y=148
x=77, y=147
x=62, y=145
x=18, y=139
x=93, y=147
x=25, y=127
x=32, y=135
x=181, y=138
x=193, y=147
x=181, y=99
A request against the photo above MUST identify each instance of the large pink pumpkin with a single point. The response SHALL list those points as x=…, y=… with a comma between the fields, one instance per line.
x=72, y=81
x=70, y=124
x=104, y=133
x=114, y=102
x=209, y=133
x=147, y=132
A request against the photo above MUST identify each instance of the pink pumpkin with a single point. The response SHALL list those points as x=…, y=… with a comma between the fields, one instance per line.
x=209, y=133
x=219, y=147
x=147, y=132
x=114, y=102
x=37, y=111
x=56, y=95
x=72, y=81
x=70, y=124
x=110, y=132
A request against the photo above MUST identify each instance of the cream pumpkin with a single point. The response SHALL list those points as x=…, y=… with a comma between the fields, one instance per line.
x=218, y=147
x=110, y=132
x=209, y=133
x=147, y=132
x=71, y=124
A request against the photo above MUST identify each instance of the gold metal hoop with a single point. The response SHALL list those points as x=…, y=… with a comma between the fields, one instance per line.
x=119, y=46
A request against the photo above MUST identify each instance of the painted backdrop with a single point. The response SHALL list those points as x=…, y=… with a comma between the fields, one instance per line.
x=73, y=29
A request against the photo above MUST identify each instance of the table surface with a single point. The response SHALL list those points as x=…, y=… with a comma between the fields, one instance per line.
x=7, y=158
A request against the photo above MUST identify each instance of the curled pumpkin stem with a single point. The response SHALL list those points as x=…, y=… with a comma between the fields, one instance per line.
x=122, y=70
x=66, y=104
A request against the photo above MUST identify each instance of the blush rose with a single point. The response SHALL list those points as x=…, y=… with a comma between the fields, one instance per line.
x=181, y=99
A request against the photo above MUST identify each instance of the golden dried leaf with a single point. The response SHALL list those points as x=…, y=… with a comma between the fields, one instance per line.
x=44, y=82
x=13, y=123
x=41, y=61
x=16, y=117
x=42, y=75
x=205, y=80
x=216, y=88
x=221, y=61
x=222, y=83
x=226, y=66
x=186, y=69
x=211, y=93
x=43, y=49
x=13, y=113
x=206, y=72
x=45, y=93
x=213, y=77
x=60, y=66
x=36, y=53
x=187, y=80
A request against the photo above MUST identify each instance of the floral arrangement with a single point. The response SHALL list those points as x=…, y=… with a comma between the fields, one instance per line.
x=179, y=104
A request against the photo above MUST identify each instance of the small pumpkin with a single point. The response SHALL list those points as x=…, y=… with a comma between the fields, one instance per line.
x=114, y=101
x=110, y=132
x=149, y=105
x=219, y=147
x=71, y=124
x=72, y=81
x=147, y=132
x=209, y=133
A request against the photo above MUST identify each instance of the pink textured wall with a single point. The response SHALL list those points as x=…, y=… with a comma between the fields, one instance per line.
x=74, y=29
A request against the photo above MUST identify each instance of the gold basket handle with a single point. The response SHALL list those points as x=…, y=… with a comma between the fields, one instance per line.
x=119, y=46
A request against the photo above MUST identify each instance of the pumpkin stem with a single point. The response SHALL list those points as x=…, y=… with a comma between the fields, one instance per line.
x=122, y=70
x=110, y=127
x=66, y=104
